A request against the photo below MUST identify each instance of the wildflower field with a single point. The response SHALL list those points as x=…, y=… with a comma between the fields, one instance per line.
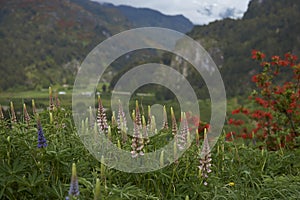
x=256, y=157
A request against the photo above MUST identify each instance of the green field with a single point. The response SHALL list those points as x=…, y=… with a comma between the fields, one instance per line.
x=42, y=100
x=239, y=169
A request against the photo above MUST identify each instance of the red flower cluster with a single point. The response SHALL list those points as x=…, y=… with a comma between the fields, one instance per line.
x=237, y=122
x=278, y=113
x=241, y=110
x=257, y=55
x=259, y=114
x=262, y=102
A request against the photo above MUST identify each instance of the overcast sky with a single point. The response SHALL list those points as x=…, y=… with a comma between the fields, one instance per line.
x=198, y=11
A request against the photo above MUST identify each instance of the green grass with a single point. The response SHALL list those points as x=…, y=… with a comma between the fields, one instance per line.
x=41, y=97
x=42, y=100
x=239, y=171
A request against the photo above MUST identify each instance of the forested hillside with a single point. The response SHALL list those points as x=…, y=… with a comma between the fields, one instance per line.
x=270, y=26
x=43, y=42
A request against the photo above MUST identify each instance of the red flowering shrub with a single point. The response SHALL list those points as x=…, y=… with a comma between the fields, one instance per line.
x=276, y=117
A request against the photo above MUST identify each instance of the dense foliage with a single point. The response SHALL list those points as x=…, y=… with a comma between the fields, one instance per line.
x=277, y=104
x=256, y=157
x=42, y=157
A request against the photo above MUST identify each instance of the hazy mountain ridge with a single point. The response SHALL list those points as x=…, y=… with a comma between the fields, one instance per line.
x=141, y=17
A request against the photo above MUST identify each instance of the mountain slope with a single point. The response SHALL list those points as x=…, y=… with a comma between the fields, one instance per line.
x=41, y=39
x=43, y=42
x=147, y=17
x=270, y=26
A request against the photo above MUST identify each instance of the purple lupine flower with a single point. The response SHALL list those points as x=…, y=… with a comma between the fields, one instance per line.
x=101, y=117
x=74, y=187
x=205, y=160
x=42, y=142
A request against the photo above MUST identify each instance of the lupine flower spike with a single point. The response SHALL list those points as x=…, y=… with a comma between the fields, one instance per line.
x=109, y=132
x=51, y=117
x=165, y=122
x=174, y=124
x=181, y=138
x=57, y=101
x=102, y=169
x=137, y=140
x=151, y=126
x=113, y=119
x=145, y=131
x=51, y=104
x=42, y=142
x=122, y=123
x=13, y=114
x=139, y=134
x=205, y=160
x=174, y=133
x=74, y=187
x=134, y=140
x=149, y=118
x=101, y=117
x=26, y=115
x=138, y=119
x=33, y=107
x=97, y=195
x=141, y=146
x=1, y=113
x=161, y=159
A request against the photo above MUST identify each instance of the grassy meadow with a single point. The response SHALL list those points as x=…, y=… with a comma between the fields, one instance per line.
x=239, y=169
